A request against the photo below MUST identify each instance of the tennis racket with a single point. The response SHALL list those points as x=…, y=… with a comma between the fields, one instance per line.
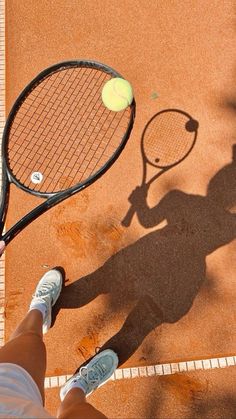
x=167, y=140
x=59, y=137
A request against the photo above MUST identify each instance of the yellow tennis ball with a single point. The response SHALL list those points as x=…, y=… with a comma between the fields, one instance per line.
x=117, y=94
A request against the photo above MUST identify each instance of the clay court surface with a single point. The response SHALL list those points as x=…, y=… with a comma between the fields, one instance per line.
x=176, y=54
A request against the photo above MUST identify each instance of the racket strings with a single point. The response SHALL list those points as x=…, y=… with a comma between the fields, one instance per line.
x=91, y=157
x=63, y=130
x=72, y=158
x=166, y=140
x=32, y=110
x=46, y=115
x=31, y=129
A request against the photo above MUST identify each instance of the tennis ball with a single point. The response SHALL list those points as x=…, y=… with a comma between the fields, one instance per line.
x=117, y=94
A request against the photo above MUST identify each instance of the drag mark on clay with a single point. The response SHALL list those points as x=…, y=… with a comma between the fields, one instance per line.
x=111, y=233
x=75, y=236
x=85, y=236
x=82, y=234
x=75, y=205
x=184, y=387
x=11, y=304
x=88, y=345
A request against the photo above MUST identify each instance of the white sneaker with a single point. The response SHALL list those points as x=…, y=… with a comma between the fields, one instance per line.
x=47, y=293
x=94, y=374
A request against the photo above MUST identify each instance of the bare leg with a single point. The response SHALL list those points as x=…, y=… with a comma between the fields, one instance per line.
x=89, y=377
x=26, y=348
x=75, y=405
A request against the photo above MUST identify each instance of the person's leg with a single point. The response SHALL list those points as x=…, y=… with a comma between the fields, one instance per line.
x=75, y=406
x=26, y=347
x=90, y=376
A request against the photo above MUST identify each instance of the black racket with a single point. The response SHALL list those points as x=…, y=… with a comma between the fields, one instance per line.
x=59, y=137
x=167, y=140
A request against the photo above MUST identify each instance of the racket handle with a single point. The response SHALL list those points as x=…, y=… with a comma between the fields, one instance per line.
x=128, y=218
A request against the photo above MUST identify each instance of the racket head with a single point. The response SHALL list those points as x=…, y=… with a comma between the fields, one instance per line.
x=168, y=138
x=59, y=136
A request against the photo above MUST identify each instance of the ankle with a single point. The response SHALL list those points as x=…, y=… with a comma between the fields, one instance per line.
x=75, y=394
x=35, y=312
x=40, y=306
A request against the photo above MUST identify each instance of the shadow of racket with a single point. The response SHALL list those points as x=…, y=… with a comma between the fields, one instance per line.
x=167, y=140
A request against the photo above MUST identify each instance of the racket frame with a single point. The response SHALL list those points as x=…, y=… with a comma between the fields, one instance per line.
x=54, y=197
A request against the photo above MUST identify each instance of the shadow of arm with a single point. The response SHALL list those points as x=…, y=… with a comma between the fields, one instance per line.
x=148, y=217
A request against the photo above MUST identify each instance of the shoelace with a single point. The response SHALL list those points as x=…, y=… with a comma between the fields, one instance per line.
x=93, y=375
x=44, y=289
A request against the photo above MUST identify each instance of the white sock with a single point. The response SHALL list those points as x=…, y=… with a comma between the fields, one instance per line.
x=37, y=305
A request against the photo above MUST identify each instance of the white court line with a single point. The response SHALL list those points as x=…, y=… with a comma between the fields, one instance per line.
x=155, y=370
x=120, y=373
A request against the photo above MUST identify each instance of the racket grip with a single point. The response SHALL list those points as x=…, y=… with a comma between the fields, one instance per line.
x=128, y=218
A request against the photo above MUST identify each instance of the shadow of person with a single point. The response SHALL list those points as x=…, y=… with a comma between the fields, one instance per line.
x=160, y=274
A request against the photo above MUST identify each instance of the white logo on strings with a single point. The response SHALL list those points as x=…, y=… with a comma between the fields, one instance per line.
x=36, y=177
